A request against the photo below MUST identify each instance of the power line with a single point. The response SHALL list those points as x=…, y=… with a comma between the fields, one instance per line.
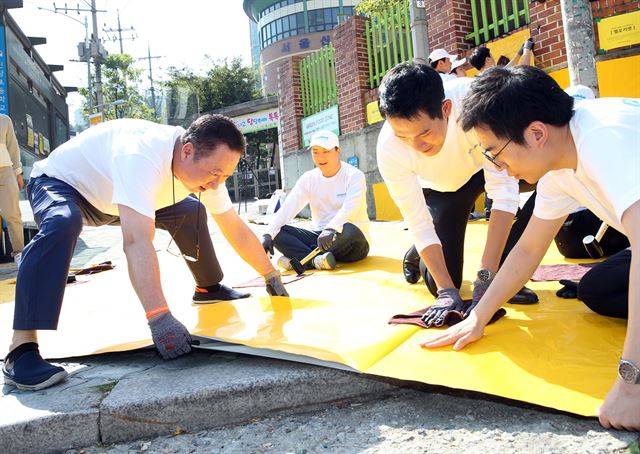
x=119, y=30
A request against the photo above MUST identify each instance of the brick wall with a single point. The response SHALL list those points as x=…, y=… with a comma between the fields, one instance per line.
x=606, y=8
x=449, y=21
x=547, y=32
x=352, y=73
x=290, y=104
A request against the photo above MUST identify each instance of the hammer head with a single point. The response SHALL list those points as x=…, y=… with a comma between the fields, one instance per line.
x=592, y=246
x=297, y=267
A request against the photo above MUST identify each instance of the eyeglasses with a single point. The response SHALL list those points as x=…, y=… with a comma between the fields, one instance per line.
x=492, y=157
x=188, y=258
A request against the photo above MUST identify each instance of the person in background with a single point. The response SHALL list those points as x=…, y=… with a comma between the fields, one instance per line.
x=337, y=195
x=11, y=183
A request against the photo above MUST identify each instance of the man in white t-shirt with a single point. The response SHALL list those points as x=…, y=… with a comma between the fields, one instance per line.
x=337, y=195
x=434, y=173
x=588, y=157
x=140, y=175
x=442, y=62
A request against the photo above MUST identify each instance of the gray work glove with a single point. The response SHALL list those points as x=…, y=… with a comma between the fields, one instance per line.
x=170, y=336
x=267, y=244
x=326, y=239
x=447, y=302
x=275, y=287
x=479, y=289
x=529, y=44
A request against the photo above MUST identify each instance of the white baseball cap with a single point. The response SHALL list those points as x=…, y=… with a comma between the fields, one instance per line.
x=455, y=63
x=324, y=139
x=580, y=92
x=439, y=54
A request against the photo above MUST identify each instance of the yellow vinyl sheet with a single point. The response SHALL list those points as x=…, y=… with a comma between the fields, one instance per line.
x=556, y=354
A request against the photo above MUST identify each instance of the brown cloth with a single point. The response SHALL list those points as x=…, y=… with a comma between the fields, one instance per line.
x=453, y=317
x=571, y=271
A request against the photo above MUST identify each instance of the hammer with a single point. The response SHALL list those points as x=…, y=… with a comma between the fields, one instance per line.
x=592, y=243
x=298, y=265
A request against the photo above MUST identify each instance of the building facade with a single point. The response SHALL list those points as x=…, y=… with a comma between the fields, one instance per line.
x=293, y=27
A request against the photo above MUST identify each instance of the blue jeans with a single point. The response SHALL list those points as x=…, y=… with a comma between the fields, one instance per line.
x=60, y=212
x=349, y=246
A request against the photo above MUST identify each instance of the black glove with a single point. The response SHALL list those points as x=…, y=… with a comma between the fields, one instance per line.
x=275, y=287
x=448, y=301
x=529, y=44
x=570, y=289
x=326, y=239
x=170, y=336
x=267, y=243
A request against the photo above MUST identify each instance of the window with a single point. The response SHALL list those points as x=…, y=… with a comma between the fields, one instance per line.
x=490, y=20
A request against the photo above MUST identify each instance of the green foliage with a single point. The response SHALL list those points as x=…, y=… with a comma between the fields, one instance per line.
x=121, y=81
x=224, y=84
x=375, y=7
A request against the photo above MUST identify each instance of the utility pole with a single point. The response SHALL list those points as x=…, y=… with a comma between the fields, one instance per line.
x=96, y=51
x=419, y=34
x=153, y=94
x=577, y=22
x=119, y=30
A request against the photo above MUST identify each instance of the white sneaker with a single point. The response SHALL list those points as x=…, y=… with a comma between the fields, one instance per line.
x=326, y=261
x=18, y=259
x=285, y=263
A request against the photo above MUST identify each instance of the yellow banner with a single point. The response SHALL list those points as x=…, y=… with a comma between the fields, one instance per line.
x=619, y=31
x=373, y=114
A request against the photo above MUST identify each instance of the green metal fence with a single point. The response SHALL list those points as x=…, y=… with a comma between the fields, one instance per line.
x=493, y=18
x=388, y=38
x=318, y=81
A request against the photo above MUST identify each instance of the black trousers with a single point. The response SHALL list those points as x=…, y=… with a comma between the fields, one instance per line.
x=605, y=288
x=60, y=212
x=349, y=246
x=583, y=223
x=450, y=213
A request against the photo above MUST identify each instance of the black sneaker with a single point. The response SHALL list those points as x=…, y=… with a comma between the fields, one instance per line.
x=25, y=369
x=216, y=294
x=411, y=266
x=524, y=296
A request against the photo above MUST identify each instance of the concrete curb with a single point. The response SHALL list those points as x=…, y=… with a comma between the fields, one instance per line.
x=116, y=398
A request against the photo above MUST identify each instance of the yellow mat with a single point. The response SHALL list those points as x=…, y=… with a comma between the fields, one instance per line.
x=556, y=354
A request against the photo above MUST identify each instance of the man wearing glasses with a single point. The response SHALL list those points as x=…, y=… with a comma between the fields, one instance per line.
x=587, y=157
x=434, y=173
x=140, y=175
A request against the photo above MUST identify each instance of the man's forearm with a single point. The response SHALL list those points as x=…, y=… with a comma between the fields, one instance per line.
x=631, y=350
x=499, y=228
x=144, y=272
x=248, y=247
x=433, y=258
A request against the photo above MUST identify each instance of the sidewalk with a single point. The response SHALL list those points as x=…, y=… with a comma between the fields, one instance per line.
x=120, y=397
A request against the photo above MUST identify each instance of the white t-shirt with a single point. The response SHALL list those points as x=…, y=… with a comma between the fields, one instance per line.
x=406, y=171
x=334, y=201
x=606, y=133
x=125, y=162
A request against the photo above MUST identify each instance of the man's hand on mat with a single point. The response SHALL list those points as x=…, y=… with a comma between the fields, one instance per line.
x=467, y=331
x=326, y=238
x=275, y=287
x=267, y=244
x=448, y=300
x=170, y=336
x=621, y=407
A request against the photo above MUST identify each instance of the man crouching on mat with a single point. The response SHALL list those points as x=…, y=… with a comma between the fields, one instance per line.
x=422, y=146
x=587, y=157
x=337, y=195
x=140, y=175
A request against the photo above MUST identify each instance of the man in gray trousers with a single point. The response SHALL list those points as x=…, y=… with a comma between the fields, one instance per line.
x=139, y=175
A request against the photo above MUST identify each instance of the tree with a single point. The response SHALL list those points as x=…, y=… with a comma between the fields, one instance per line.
x=224, y=84
x=121, y=82
x=374, y=7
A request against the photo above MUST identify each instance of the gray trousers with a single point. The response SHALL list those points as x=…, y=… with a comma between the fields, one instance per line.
x=60, y=212
x=10, y=207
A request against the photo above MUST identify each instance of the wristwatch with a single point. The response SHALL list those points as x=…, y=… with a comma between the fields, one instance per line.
x=485, y=275
x=629, y=372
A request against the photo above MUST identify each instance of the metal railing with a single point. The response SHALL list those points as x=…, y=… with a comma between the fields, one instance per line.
x=493, y=18
x=388, y=38
x=318, y=81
